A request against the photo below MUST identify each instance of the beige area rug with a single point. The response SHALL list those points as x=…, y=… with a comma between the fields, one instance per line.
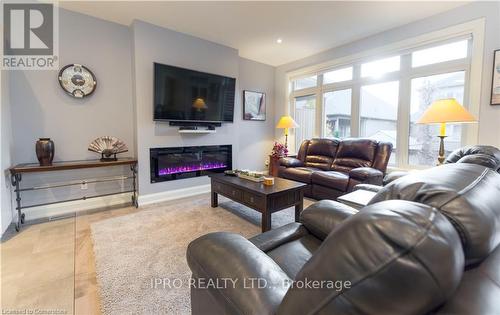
x=135, y=250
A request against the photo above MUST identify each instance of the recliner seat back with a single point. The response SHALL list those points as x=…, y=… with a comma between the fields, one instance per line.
x=394, y=257
x=320, y=153
x=467, y=194
x=353, y=153
x=484, y=155
x=382, y=156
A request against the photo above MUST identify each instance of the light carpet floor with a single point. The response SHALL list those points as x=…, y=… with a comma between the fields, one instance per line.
x=134, y=251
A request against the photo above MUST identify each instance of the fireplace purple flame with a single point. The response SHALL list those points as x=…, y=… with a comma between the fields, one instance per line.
x=186, y=162
x=191, y=168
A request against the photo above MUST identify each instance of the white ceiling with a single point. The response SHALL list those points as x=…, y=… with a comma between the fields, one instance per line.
x=253, y=27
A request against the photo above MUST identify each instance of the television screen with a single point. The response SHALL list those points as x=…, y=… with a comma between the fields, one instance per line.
x=188, y=95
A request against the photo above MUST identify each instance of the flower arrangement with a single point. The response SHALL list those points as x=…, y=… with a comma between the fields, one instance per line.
x=279, y=150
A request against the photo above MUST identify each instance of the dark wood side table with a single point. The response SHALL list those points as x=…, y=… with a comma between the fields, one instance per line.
x=17, y=171
x=265, y=199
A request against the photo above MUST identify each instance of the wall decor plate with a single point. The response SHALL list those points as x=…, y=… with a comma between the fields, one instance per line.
x=254, y=105
x=495, y=84
x=77, y=80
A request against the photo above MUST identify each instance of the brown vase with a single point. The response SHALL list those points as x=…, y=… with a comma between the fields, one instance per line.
x=45, y=151
x=273, y=166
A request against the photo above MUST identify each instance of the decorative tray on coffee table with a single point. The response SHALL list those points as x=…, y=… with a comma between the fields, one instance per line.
x=249, y=175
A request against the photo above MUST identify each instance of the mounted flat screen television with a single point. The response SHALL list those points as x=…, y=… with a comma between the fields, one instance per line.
x=192, y=96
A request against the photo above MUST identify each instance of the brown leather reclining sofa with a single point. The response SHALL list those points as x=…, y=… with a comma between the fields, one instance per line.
x=332, y=167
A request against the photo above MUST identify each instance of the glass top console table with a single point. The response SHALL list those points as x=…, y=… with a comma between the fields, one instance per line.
x=17, y=171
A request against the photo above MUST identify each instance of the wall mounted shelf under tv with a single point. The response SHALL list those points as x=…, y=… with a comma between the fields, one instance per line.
x=197, y=131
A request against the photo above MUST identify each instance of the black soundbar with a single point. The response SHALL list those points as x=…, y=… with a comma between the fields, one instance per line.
x=193, y=125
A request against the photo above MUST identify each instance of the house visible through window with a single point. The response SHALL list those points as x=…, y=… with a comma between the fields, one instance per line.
x=379, y=113
x=378, y=92
x=337, y=114
x=305, y=113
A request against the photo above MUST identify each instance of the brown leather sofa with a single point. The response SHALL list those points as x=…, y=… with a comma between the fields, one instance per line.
x=332, y=167
x=436, y=252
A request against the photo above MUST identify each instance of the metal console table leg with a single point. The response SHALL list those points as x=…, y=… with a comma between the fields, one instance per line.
x=135, y=202
x=16, y=179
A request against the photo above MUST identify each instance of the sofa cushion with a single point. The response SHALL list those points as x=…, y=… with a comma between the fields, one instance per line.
x=301, y=154
x=331, y=179
x=321, y=152
x=319, y=161
x=292, y=256
x=290, y=162
x=323, y=216
x=300, y=174
x=478, y=291
x=382, y=156
x=394, y=257
x=484, y=155
x=354, y=153
x=325, y=147
x=467, y=194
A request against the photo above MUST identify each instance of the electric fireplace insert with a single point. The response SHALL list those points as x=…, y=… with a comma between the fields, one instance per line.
x=185, y=162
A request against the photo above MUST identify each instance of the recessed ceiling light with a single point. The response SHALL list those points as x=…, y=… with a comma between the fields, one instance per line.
x=279, y=41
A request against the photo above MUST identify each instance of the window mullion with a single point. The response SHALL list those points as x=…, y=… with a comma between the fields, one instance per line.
x=355, y=101
x=403, y=123
x=319, y=108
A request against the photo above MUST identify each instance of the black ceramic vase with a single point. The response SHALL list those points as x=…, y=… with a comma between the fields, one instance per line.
x=45, y=151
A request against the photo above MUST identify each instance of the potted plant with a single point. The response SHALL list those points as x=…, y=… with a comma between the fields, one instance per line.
x=279, y=151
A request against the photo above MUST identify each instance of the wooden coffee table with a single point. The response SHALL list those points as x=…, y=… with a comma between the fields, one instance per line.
x=265, y=199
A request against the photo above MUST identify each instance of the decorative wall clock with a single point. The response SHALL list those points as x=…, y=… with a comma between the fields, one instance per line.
x=77, y=80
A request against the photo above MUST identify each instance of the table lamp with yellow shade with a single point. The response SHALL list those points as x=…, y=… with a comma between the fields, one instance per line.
x=286, y=122
x=445, y=111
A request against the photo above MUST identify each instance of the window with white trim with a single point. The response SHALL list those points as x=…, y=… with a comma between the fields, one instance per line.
x=382, y=97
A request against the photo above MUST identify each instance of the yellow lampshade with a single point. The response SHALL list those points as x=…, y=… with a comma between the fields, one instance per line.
x=286, y=122
x=446, y=111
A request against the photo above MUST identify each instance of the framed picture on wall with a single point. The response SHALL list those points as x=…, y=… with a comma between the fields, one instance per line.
x=495, y=85
x=254, y=105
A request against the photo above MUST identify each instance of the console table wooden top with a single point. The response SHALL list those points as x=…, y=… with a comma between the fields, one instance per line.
x=68, y=165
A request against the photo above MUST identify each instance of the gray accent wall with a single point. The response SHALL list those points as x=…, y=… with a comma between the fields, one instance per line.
x=489, y=116
x=40, y=108
x=251, y=141
x=5, y=152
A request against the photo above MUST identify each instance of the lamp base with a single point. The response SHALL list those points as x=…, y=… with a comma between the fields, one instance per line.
x=286, y=142
x=441, y=156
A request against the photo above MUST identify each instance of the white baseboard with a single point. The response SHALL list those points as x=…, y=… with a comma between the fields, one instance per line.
x=173, y=194
x=71, y=207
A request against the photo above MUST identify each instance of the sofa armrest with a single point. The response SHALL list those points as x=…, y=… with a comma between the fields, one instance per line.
x=222, y=255
x=276, y=237
x=366, y=173
x=323, y=216
x=290, y=162
x=369, y=187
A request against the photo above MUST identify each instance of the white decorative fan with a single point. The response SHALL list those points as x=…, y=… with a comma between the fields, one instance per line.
x=108, y=147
